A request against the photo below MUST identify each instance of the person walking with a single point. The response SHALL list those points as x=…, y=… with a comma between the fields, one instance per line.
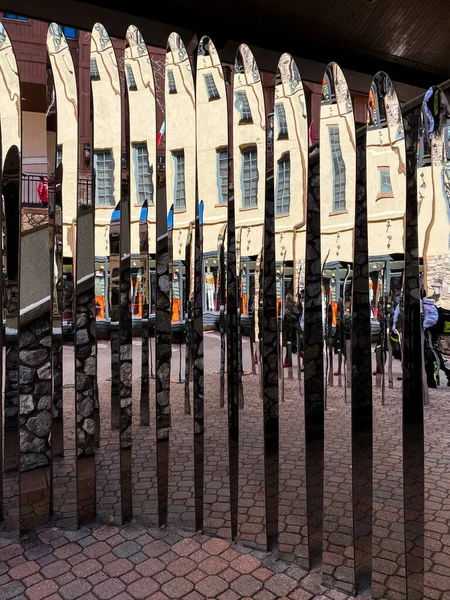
x=287, y=327
x=434, y=361
x=43, y=191
x=397, y=330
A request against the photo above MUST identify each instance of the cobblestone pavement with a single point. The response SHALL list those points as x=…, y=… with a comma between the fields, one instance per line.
x=108, y=562
x=133, y=561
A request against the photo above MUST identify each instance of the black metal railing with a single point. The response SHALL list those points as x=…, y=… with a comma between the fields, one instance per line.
x=30, y=185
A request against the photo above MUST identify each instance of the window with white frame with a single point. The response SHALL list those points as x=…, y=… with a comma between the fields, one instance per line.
x=104, y=178
x=211, y=88
x=281, y=120
x=95, y=74
x=143, y=174
x=179, y=182
x=385, y=181
x=58, y=155
x=338, y=169
x=250, y=177
x=243, y=106
x=171, y=82
x=222, y=175
x=283, y=186
x=130, y=78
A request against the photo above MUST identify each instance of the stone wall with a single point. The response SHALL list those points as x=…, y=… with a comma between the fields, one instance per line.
x=86, y=374
x=35, y=393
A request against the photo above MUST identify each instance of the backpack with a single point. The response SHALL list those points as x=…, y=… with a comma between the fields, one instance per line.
x=443, y=324
x=395, y=345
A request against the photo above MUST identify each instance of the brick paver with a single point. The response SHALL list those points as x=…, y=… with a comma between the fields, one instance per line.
x=139, y=561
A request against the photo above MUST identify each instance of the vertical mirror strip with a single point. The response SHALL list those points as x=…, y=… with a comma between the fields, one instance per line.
x=337, y=211
x=11, y=134
x=386, y=200
x=2, y=336
x=164, y=233
x=361, y=382
x=142, y=189
x=313, y=368
x=212, y=190
x=62, y=219
x=180, y=107
x=433, y=205
x=145, y=380
x=413, y=410
x=249, y=168
x=290, y=146
x=87, y=410
x=107, y=168
x=270, y=374
x=125, y=330
x=11, y=188
x=232, y=346
x=56, y=266
x=35, y=347
x=198, y=364
x=222, y=303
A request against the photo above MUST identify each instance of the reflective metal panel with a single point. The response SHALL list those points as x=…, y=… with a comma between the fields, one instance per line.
x=412, y=406
x=107, y=153
x=142, y=158
x=290, y=143
x=11, y=188
x=62, y=136
x=212, y=182
x=35, y=361
x=433, y=190
x=87, y=413
x=107, y=169
x=11, y=133
x=337, y=214
x=249, y=168
x=125, y=330
x=164, y=225
x=386, y=198
x=181, y=193
x=145, y=382
x=86, y=392
x=198, y=364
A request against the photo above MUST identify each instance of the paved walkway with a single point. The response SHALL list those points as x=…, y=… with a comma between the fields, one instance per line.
x=107, y=562
x=135, y=562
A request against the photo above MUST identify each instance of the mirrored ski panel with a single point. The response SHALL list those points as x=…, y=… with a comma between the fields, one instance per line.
x=290, y=144
x=337, y=214
x=107, y=175
x=141, y=94
x=386, y=205
x=249, y=168
x=212, y=181
x=62, y=147
x=11, y=136
x=433, y=205
x=181, y=195
x=273, y=286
